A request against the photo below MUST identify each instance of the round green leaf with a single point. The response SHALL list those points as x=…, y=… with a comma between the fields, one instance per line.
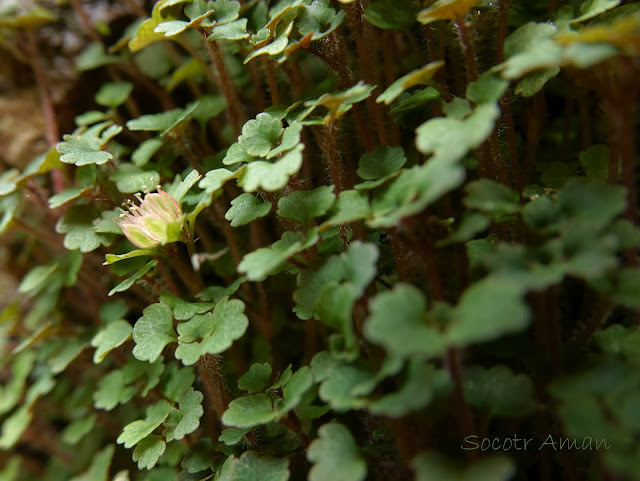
x=152, y=332
x=335, y=456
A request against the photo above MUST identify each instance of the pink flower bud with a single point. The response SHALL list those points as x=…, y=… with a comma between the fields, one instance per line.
x=158, y=220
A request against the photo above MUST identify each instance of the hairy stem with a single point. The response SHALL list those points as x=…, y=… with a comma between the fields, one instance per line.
x=463, y=410
x=52, y=131
x=226, y=85
x=191, y=279
x=215, y=391
x=340, y=52
x=186, y=150
x=355, y=21
x=332, y=157
x=619, y=102
x=536, y=118
x=271, y=80
x=292, y=422
x=503, y=11
x=469, y=50
x=217, y=212
x=509, y=126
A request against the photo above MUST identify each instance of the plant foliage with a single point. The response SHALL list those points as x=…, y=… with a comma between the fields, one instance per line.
x=357, y=240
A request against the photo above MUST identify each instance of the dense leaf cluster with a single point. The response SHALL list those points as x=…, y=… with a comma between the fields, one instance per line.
x=403, y=227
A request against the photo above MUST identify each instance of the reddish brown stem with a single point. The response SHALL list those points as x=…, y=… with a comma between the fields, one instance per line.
x=271, y=80
x=161, y=94
x=585, y=120
x=593, y=319
x=355, y=22
x=259, y=99
x=614, y=164
x=468, y=49
x=334, y=164
x=554, y=341
x=619, y=104
x=341, y=55
x=463, y=410
x=498, y=160
x=218, y=211
x=431, y=46
x=383, y=283
x=341, y=70
x=505, y=103
x=534, y=134
x=226, y=85
x=168, y=279
x=266, y=320
x=40, y=234
x=177, y=137
x=85, y=20
x=400, y=255
x=137, y=9
x=292, y=422
x=52, y=131
x=215, y=393
x=44, y=437
x=190, y=278
x=621, y=120
x=402, y=432
x=509, y=126
x=332, y=64
x=130, y=104
x=432, y=269
x=332, y=157
x=503, y=11
x=362, y=128
x=389, y=77
x=310, y=339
